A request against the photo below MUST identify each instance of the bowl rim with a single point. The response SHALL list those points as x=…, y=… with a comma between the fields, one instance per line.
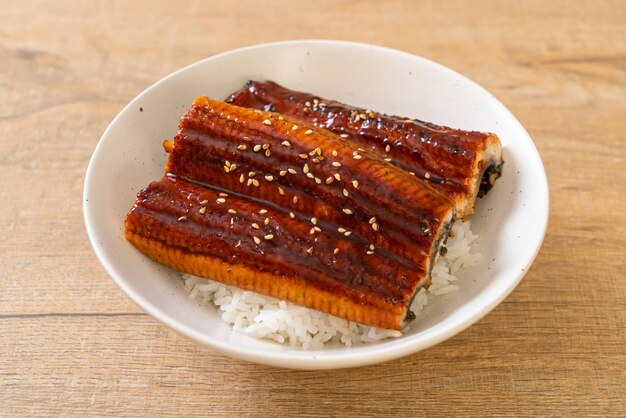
x=314, y=359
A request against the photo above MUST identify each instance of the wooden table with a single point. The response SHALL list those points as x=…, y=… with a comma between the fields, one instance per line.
x=72, y=344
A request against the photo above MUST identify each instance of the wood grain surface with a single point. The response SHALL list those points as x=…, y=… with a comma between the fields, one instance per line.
x=72, y=344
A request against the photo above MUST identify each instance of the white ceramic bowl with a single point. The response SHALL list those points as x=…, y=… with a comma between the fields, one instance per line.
x=511, y=220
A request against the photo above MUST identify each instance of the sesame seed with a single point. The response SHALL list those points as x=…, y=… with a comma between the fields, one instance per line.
x=322, y=104
x=307, y=103
x=222, y=194
x=427, y=175
x=372, y=220
x=269, y=177
x=242, y=147
x=256, y=148
x=249, y=182
x=233, y=211
x=221, y=200
x=310, y=250
x=370, y=252
x=182, y=218
x=411, y=173
x=282, y=172
x=318, y=180
x=266, y=146
x=334, y=153
x=375, y=226
x=408, y=120
x=361, y=149
x=337, y=176
x=387, y=148
x=233, y=167
x=336, y=164
x=256, y=240
x=312, y=231
x=226, y=169
x=347, y=233
x=315, y=101
x=263, y=211
x=308, y=132
x=245, y=138
x=291, y=215
x=303, y=156
x=329, y=180
x=345, y=193
x=317, y=228
x=372, y=247
x=204, y=202
x=269, y=236
x=363, y=116
x=355, y=184
x=342, y=230
x=310, y=175
x=227, y=163
x=294, y=127
x=241, y=178
x=347, y=211
x=266, y=221
x=286, y=143
x=295, y=199
x=255, y=182
x=370, y=113
x=255, y=225
x=292, y=170
x=315, y=160
x=267, y=122
x=344, y=135
x=203, y=210
x=281, y=191
x=336, y=251
x=305, y=169
x=314, y=221
x=268, y=153
x=388, y=159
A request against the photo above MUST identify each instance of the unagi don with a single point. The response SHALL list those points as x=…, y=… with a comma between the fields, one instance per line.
x=277, y=205
x=460, y=164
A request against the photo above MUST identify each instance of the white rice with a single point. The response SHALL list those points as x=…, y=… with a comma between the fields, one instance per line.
x=264, y=317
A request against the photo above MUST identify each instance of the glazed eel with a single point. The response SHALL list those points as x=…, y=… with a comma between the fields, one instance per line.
x=461, y=164
x=278, y=206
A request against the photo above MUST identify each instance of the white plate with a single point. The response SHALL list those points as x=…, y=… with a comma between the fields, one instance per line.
x=511, y=220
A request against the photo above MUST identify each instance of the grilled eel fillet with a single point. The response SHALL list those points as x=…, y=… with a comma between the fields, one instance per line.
x=306, y=215
x=193, y=229
x=311, y=171
x=461, y=164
